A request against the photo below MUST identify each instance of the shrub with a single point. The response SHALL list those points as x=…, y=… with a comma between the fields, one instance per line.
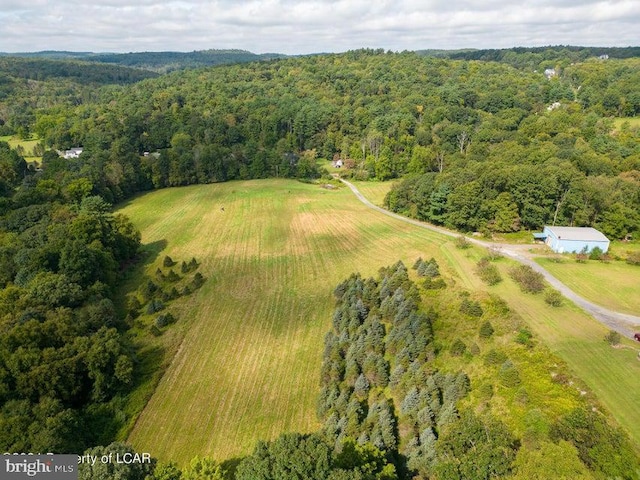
x=553, y=297
x=596, y=254
x=529, y=280
x=172, y=276
x=493, y=254
x=524, y=337
x=458, y=348
x=164, y=320
x=633, y=258
x=168, y=262
x=471, y=308
x=494, y=357
x=508, y=374
x=462, y=242
x=431, y=284
x=486, y=330
x=582, y=257
x=613, y=338
x=154, y=306
x=487, y=272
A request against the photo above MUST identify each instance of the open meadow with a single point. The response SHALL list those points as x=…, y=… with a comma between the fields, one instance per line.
x=614, y=285
x=251, y=339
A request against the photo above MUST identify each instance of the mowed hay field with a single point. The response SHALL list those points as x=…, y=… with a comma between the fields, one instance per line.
x=248, y=366
x=614, y=285
x=249, y=363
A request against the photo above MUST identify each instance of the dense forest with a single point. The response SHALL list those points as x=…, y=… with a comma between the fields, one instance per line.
x=63, y=355
x=487, y=146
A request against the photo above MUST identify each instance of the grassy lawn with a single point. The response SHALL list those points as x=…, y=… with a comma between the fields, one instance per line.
x=374, y=191
x=634, y=122
x=28, y=145
x=614, y=285
x=245, y=354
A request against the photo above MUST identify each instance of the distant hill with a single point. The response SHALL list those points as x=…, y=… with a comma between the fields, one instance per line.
x=533, y=57
x=160, y=62
x=81, y=72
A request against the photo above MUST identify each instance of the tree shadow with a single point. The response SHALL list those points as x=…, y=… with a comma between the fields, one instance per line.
x=149, y=252
x=133, y=274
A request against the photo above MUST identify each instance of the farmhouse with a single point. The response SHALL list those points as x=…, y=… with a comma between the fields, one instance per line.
x=573, y=239
x=71, y=153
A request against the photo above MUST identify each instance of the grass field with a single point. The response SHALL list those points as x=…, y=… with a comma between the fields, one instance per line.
x=374, y=191
x=248, y=363
x=248, y=367
x=614, y=285
x=28, y=145
x=634, y=122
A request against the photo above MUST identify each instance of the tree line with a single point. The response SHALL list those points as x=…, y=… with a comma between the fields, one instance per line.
x=64, y=356
x=487, y=146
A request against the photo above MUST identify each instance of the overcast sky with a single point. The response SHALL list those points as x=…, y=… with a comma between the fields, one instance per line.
x=308, y=26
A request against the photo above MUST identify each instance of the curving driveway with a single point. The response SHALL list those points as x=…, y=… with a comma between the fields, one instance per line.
x=620, y=322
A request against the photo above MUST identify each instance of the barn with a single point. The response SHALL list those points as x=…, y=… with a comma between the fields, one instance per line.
x=573, y=239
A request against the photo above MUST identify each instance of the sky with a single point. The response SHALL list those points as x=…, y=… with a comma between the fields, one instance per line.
x=312, y=26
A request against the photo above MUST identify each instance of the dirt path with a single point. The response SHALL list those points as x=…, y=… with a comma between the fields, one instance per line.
x=621, y=322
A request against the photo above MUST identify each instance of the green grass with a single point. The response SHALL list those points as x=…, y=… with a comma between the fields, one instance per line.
x=28, y=145
x=248, y=365
x=614, y=285
x=634, y=122
x=245, y=354
x=374, y=191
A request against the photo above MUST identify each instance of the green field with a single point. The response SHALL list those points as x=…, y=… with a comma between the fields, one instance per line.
x=374, y=191
x=27, y=145
x=248, y=364
x=614, y=285
x=634, y=122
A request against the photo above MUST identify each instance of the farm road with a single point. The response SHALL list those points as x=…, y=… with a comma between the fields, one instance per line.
x=620, y=322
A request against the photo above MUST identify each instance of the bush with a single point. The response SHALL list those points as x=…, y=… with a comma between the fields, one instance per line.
x=524, y=337
x=168, y=262
x=486, y=330
x=471, y=308
x=596, y=254
x=458, y=348
x=509, y=375
x=633, y=258
x=553, y=297
x=154, y=306
x=164, y=320
x=493, y=254
x=430, y=284
x=613, y=338
x=487, y=272
x=462, y=242
x=529, y=280
x=494, y=357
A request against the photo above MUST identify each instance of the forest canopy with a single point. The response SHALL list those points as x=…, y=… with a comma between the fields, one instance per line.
x=485, y=146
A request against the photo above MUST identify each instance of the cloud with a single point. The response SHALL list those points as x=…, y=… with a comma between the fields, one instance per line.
x=306, y=26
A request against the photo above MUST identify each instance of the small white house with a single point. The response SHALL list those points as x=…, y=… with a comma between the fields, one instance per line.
x=71, y=153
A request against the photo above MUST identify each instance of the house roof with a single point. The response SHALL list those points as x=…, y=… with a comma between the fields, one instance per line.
x=587, y=234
